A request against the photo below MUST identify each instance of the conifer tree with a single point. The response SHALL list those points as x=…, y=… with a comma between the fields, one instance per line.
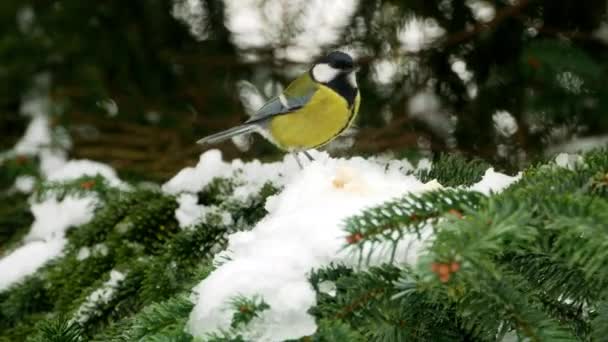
x=134, y=87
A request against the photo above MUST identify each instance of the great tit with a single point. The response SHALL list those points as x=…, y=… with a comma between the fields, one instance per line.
x=312, y=111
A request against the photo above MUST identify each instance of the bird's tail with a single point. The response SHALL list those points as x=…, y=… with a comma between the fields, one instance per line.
x=227, y=134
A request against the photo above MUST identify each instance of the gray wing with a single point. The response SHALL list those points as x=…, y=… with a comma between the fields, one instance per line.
x=281, y=104
x=270, y=108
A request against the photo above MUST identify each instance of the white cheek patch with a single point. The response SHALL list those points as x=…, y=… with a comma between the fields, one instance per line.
x=352, y=79
x=324, y=73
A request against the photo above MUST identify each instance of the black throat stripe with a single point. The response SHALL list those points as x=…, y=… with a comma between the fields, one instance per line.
x=341, y=86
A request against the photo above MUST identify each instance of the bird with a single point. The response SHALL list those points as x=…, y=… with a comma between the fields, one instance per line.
x=313, y=110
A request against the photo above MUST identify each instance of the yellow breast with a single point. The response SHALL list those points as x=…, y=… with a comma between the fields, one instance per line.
x=320, y=121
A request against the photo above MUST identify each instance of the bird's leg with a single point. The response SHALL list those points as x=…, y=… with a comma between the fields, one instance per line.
x=308, y=156
x=295, y=155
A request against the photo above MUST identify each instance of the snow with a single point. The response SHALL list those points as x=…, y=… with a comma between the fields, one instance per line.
x=384, y=71
x=303, y=230
x=601, y=33
x=25, y=19
x=52, y=217
x=504, y=123
x=425, y=106
x=46, y=238
x=194, y=14
x=102, y=295
x=255, y=24
x=109, y=105
x=250, y=178
x=189, y=212
x=37, y=135
x=568, y=161
x=579, y=144
x=328, y=287
x=483, y=11
x=25, y=184
x=196, y=178
x=100, y=249
x=51, y=160
x=423, y=102
x=417, y=34
x=83, y=253
x=74, y=169
x=494, y=182
x=252, y=23
x=26, y=259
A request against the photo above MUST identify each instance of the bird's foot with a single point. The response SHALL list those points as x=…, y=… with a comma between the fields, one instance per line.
x=297, y=158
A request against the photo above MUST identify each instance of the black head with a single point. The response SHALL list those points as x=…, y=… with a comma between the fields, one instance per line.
x=337, y=71
x=338, y=60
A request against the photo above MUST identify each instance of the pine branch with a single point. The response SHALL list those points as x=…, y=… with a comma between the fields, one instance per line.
x=79, y=187
x=453, y=170
x=503, y=298
x=599, y=324
x=336, y=331
x=246, y=309
x=366, y=302
x=391, y=221
x=150, y=320
x=581, y=235
x=59, y=329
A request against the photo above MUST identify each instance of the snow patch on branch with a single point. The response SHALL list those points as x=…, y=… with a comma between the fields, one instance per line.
x=46, y=238
x=494, y=182
x=74, y=169
x=52, y=216
x=102, y=295
x=26, y=259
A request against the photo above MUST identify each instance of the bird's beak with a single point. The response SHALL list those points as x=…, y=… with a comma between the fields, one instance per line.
x=349, y=70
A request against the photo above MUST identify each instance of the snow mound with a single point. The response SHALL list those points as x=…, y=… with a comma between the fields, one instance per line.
x=252, y=175
x=302, y=231
x=249, y=176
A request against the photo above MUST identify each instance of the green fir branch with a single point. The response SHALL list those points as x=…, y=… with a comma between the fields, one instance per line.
x=453, y=170
x=59, y=329
x=599, y=323
x=246, y=309
x=79, y=187
x=393, y=220
x=151, y=321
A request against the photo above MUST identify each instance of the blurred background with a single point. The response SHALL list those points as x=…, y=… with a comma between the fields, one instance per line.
x=136, y=83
